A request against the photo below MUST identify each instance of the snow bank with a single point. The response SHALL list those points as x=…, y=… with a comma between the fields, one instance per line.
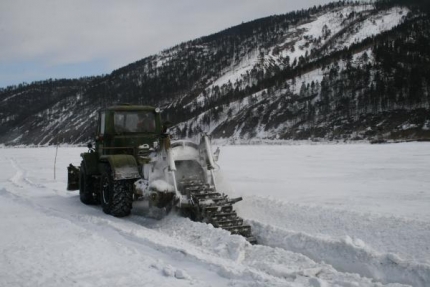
x=347, y=255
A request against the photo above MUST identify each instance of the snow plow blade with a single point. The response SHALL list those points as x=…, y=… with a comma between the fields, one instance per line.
x=72, y=177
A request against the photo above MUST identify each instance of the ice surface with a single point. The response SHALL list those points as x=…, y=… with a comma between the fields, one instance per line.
x=327, y=215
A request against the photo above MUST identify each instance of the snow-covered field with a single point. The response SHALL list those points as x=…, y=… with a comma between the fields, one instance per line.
x=325, y=215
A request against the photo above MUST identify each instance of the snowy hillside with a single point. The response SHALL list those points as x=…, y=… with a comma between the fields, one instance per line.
x=322, y=34
x=344, y=71
x=319, y=31
x=325, y=215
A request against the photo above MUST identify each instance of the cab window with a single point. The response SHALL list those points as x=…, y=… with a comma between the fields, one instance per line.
x=134, y=122
x=102, y=122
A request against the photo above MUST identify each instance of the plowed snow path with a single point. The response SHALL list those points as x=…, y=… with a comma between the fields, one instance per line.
x=360, y=208
x=48, y=238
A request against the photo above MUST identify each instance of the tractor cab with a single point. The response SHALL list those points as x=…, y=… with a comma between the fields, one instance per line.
x=127, y=129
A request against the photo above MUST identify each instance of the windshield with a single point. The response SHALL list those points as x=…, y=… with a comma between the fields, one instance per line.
x=134, y=122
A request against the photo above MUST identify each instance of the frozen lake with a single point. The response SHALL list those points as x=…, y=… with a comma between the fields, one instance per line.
x=324, y=215
x=390, y=179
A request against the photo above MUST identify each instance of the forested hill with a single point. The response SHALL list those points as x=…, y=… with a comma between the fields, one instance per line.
x=342, y=71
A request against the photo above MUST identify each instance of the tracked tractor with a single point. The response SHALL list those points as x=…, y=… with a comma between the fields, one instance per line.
x=134, y=159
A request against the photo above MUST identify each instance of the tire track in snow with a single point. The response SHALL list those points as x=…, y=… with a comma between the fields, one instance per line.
x=20, y=178
x=229, y=256
x=264, y=265
x=63, y=253
x=139, y=235
x=17, y=178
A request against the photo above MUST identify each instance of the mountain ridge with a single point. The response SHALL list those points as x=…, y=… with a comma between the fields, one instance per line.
x=326, y=73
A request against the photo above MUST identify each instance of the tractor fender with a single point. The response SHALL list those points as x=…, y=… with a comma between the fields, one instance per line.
x=123, y=166
x=90, y=160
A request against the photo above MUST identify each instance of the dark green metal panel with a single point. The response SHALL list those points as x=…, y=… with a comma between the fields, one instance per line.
x=111, y=142
x=91, y=160
x=122, y=147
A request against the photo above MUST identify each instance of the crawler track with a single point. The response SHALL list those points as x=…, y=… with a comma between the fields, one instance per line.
x=215, y=208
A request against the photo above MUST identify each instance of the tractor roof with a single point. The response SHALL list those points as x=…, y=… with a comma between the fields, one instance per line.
x=126, y=107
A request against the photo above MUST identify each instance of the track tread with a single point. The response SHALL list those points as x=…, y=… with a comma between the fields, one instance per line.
x=217, y=209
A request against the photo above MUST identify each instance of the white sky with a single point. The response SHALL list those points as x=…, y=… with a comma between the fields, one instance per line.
x=73, y=38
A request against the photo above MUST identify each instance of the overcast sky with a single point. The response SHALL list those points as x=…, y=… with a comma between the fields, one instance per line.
x=72, y=38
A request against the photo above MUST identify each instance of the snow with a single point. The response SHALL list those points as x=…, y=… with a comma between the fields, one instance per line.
x=324, y=215
x=333, y=20
x=161, y=185
x=315, y=76
x=184, y=152
x=408, y=126
x=126, y=172
x=319, y=195
x=233, y=73
x=347, y=25
x=236, y=71
x=383, y=21
x=382, y=179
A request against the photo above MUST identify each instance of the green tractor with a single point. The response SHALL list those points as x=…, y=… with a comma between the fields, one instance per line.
x=134, y=159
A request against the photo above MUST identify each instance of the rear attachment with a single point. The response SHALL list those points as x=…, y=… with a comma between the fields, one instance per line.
x=215, y=208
